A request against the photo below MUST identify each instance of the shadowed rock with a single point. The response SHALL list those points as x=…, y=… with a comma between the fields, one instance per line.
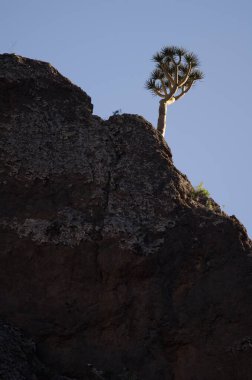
x=107, y=258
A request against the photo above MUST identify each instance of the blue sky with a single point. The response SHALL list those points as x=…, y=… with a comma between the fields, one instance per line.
x=105, y=47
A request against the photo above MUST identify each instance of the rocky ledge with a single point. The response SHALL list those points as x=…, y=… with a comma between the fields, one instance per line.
x=109, y=263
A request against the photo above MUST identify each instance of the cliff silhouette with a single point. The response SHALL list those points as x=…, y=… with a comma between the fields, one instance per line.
x=110, y=266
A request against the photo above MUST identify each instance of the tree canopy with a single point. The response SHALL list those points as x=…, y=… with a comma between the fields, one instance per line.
x=175, y=73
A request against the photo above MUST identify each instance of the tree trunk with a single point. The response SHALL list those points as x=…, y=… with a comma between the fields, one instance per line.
x=162, y=117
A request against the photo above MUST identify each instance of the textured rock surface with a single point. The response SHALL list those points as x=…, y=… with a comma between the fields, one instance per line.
x=106, y=256
x=18, y=360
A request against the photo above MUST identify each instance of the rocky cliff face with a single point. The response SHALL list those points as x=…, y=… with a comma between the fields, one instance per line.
x=109, y=262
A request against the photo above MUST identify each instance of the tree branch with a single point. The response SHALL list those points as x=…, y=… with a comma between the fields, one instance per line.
x=164, y=88
x=183, y=92
x=186, y=77
x=173, y=91
x=167, y=74
x=177, y=74
x=159, y=93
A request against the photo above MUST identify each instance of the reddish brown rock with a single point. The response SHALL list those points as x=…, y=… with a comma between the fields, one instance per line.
x=107, y=257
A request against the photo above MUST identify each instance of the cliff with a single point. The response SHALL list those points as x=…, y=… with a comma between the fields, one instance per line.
x=109, y=263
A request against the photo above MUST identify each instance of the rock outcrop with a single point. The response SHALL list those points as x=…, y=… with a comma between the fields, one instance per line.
x=108, y=260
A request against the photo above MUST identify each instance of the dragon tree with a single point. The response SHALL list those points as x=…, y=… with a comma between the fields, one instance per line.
x=176, y=71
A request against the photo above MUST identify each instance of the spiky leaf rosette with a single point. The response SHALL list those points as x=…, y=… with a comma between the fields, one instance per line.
x=175, y=72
